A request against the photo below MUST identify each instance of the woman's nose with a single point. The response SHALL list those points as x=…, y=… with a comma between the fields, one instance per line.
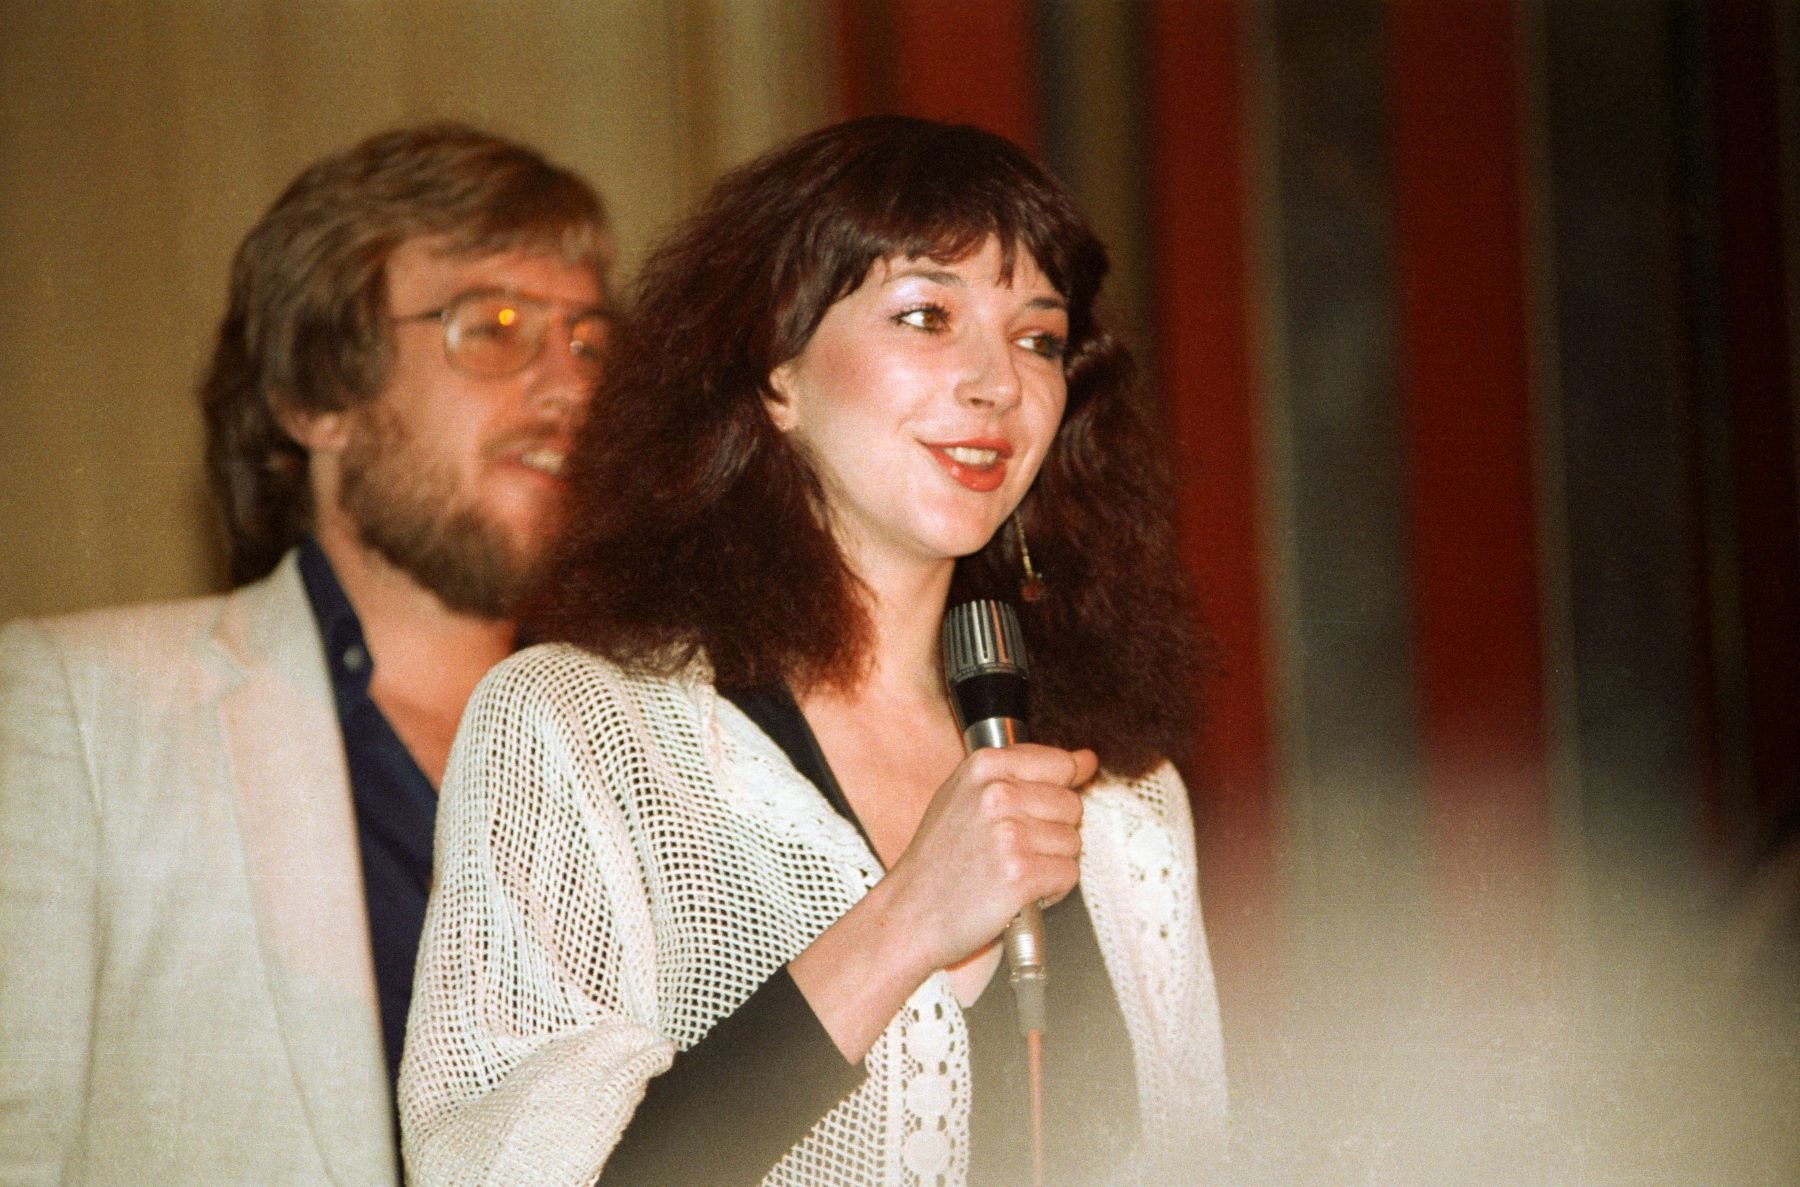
x=992, y=377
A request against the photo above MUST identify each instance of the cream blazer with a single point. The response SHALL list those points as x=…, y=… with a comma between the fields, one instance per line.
x=186, y=989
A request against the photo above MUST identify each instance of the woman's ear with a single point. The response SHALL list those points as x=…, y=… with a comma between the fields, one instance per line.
x=778, y=397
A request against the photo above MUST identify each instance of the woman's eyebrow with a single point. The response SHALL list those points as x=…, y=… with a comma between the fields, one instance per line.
x=956, y=279
x=925, y=272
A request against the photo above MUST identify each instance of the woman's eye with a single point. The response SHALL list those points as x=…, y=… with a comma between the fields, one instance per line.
x=925, y=317
x=1045, y=345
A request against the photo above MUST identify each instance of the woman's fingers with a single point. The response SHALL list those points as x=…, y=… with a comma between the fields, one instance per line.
x=1029, y=762
x=1051, y=838
x=1031, y=781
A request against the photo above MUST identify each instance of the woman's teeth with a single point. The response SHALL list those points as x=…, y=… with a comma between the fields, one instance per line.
x=963, y=455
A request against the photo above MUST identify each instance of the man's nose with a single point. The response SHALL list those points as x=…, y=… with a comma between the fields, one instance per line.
x=565, y=378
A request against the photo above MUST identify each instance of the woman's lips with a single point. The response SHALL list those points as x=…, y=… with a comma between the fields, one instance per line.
x=978, y=465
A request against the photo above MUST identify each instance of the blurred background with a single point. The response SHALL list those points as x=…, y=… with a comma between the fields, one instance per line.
x=1474, y=323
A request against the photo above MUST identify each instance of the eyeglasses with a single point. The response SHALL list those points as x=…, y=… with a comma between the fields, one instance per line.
x=499, y=333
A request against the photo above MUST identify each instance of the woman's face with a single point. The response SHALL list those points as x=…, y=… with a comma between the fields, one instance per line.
x=926, y=401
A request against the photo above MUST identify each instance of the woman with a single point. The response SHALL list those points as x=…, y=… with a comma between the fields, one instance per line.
x=718, y=891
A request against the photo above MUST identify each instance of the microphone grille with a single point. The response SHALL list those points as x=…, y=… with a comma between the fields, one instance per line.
x=982, y=637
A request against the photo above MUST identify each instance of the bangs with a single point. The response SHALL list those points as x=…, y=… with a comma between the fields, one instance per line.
x=934, y=192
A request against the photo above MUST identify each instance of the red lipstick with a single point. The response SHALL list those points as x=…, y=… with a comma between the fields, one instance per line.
x=979, y=465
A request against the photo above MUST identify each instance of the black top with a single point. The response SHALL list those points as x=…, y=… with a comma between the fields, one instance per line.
x=733, y=1104
x=396, y=806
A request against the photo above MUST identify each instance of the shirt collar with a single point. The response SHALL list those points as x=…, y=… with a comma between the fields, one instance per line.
x=345, y=651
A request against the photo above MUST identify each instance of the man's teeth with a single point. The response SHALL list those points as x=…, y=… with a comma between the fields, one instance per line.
x=550, y=461
x=965, y=456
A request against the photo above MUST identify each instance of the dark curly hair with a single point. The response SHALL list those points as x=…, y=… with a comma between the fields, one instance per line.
x=306, y=323
x=698, y=529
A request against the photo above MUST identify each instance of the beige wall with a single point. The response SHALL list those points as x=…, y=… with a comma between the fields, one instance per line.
x=140, y=139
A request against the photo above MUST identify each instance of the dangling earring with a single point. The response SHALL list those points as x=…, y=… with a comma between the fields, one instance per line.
x=1031, y=585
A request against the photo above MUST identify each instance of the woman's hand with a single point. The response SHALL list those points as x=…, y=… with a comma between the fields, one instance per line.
x=1000, y=833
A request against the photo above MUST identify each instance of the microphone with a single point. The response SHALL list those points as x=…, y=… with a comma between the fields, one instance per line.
x=984, y=668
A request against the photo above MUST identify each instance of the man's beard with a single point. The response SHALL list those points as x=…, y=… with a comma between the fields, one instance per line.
x=407, y=508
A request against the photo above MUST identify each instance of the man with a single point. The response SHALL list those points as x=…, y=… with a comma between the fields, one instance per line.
x=216, y=815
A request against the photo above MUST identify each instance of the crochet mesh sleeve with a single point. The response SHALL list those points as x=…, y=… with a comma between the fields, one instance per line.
x=603, y=896
x=535, y=1024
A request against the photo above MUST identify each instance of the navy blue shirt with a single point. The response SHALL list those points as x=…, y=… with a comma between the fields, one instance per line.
x=396, y=805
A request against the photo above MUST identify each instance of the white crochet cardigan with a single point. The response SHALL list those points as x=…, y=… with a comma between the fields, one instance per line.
x=622, y=860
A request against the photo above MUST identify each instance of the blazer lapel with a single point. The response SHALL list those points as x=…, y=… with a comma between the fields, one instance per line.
x=300, y=848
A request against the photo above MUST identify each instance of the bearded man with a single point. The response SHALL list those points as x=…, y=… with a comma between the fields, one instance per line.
x=216, y=815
